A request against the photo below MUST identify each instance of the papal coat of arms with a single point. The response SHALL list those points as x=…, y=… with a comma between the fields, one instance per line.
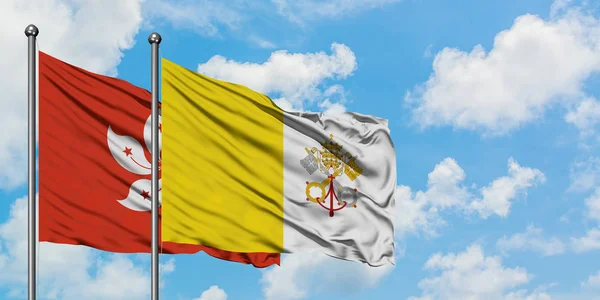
x=333, y=162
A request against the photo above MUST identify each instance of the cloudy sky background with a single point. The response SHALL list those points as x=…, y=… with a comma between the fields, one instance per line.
x=493, y=106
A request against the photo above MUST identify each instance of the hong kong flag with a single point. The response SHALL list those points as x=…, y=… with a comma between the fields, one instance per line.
x=94, y=164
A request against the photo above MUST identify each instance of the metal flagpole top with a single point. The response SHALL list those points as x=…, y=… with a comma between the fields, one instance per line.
x=154, y=38
x=32, y=30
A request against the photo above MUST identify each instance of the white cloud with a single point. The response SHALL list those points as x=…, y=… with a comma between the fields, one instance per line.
x=201, y=16
x=592, y=203
x=168, y=266
x=301, y=274
x=497, y=196
x=70, y=31
x=533, y=240
x=209, y=17
x=262, y=43
x=285, y=104
x=213, y=293
x=427, y=53
x=117, y=278
x=295, y=77
x=472, y=275
x=214, y=18
x=531, y=66
x=66, y=271
x=419, y=211
x=332, y=108
x=414, y=214
x=589, y=242
x=335, y=101
x=444, y=185
x=524, y=295
x=585, y=175
x=301, y=11
x=593, y=282
x=559, y=6
x=586, y=116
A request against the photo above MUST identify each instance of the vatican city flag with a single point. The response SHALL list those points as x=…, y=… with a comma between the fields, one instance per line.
x=240, y=174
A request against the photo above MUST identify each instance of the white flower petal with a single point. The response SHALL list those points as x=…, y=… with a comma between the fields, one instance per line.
x=128, y=152
x=136, y=201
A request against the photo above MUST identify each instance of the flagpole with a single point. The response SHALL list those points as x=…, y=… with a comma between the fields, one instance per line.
x=154, y=40
x=31, y=32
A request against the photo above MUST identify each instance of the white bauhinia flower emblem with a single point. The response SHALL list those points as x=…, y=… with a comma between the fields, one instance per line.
x=128, y=152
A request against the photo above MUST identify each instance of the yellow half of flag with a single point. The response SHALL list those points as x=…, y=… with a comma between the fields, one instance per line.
x=222, y=145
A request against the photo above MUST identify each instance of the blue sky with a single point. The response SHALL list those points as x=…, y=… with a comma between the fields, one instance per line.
x=492, y=105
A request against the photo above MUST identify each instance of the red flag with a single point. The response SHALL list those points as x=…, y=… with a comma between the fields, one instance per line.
x=94, y=164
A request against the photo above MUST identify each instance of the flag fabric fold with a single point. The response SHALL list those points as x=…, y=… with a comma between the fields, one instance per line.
x=241, y=174
x=94, y=165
